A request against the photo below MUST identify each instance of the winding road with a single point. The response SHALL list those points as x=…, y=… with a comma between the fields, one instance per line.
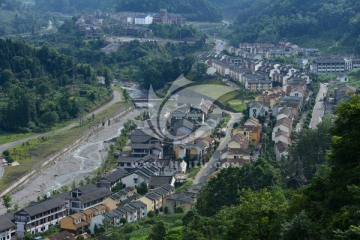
x=116, y=98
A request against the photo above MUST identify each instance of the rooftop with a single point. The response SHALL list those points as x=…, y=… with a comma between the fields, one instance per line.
x=99, y=193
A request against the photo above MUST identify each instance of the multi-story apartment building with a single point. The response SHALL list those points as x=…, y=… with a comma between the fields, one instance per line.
x=39, y=216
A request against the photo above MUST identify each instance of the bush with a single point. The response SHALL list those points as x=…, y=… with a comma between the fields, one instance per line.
x=151, y=214
x=179, y=210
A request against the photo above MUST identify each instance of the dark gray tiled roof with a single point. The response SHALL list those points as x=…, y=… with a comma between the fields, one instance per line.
x=139, y=136
x=138, y=204
x=183, y=196
x=87, y=188
x=44, y=206
x=116, y=175
x=6, y=223
x=99, y=193
x=158, y=181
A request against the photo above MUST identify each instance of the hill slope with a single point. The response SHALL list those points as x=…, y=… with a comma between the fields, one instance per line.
x=324, y=23
x=198, y=10
x=40, y=87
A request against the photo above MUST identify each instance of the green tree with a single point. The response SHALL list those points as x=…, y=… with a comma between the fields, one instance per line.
x=108, y=77
x=298, y=228
x=117, y=187
x=158, y=232
x=7, y=201
x=259, y=215
x=224, y=189
x=142, y=188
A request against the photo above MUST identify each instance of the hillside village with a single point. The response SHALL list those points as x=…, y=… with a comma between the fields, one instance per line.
x=160, y=166
x=282, y=105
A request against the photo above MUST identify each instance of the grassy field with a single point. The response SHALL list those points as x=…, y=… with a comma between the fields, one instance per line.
x=237, y=105
x=140, y=230
x=32, y=153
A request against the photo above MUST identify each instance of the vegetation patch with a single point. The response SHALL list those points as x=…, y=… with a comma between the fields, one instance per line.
x=33, y=152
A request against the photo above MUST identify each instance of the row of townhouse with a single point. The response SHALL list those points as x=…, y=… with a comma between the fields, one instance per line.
x=84, y=207
x=255, y=75
x=287, y=110
x=252, y=81
x=237, y=150
x=270, y=50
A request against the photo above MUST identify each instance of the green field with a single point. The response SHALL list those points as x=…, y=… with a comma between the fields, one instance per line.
x=238, y=106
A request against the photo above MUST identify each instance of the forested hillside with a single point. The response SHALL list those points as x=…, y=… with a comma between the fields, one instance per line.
x=16, y=17
x=197, y=10
x=40, y=87
x=325, y=23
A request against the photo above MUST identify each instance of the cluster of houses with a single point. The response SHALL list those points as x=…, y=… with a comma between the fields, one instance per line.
x=88, y=206
x=146, y=161
x=94, y=24
x=255, y=75
x=138, y=18
x=284, y=102
x=270, y=50
x=237, y=151
x=262, y=51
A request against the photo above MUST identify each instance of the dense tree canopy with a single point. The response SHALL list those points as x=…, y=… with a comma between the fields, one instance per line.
x=302, y=21
x=224, y=189
x=200, y=10
x=40, y=87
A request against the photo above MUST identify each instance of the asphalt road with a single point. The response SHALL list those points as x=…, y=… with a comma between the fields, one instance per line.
x=5, y=146
x=318, y=111
x=211, y=166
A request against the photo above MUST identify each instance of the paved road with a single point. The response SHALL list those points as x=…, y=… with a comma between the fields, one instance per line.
x=318, y=111
x=210, y=167
x=5, y=146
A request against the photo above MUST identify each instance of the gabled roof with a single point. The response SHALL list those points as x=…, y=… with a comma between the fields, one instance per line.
x=281, y=133
x=43, y=206
x=284, y=122
x=183, y=123
x=147, y=158
x=131, y=198
x=138, y=204
x=86, y=188
x=282, y=147
x=240, y=139
x=158, y=181
x=99, y=193
x=285, y=110
x=6, y=223
x=145, y=146
x=153, y=196
x=139, y=136
x=116, y=175
x=182, y=196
